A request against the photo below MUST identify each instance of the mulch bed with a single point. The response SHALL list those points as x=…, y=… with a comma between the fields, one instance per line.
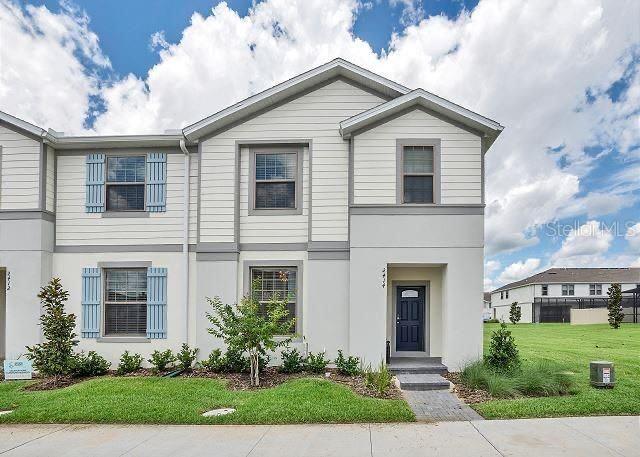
x=466, y=394
x=55, y=382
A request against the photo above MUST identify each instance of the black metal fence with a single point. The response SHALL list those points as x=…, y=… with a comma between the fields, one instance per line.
x=557, y=309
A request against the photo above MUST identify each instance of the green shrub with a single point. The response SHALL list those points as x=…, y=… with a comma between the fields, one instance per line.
x=186, y=357
x=292, y=362
x=515, y=313
x=315, y=363
x=492, y=321
x=537, y=379
x=91, y=364
x=129, y=363
x=215, y=363
x=378, y=380
x=349, y=366
x=54, y=356
x=503, y=353
x=161, y=360
x=236, y=362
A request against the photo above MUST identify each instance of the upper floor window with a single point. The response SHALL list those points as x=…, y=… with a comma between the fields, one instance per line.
x=567, y=289
x=125, y=303
x=418, y=174
x=279, y=282
x=125, y=183
x=595, y=289
x=506, y=294
x=276, y=176
x=545, y=289
x=501, y=295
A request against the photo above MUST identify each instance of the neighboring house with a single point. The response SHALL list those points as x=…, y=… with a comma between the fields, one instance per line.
x=487, y=312
x=360, y=199
x=550, y=295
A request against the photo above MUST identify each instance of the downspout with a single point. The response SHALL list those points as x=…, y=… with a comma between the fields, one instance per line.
x=185, y=236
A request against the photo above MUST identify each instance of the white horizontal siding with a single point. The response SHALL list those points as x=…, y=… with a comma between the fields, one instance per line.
x=50, y=183
x=76, y=227
x=20, y=167
x=315, y=116
x=375, y=159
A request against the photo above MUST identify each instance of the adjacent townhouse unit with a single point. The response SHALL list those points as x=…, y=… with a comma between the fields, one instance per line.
x=550, y=296
x=358, y=198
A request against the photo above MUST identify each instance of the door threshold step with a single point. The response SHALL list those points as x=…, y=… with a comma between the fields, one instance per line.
x=432, y=368
x=422, y=382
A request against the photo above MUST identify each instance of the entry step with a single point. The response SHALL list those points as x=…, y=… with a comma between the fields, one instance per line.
x=406, y=365
x=422, y=381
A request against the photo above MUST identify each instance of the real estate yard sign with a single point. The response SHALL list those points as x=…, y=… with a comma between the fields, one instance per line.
x=18, y=369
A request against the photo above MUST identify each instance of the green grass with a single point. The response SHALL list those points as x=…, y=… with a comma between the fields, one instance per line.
x=183, y=400
x=573, y=347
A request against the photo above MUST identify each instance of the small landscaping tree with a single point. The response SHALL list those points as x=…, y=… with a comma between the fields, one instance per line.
x=54, y=357
x=503, y=352
x=515, y=313
x=250, y=327
x=614, y=305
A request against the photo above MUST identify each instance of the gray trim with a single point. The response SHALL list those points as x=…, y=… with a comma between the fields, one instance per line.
x=328, y=246
x=125, y=264
x=273, y=246
x=0, y=176
x=42, y=194
x=269, y=149
x=22, y=131
x=193, y=135
x=122, y=339
x=26, y=214
x=119, y=214
x=199, y=190
x=467, y=210
x=248, y=264
x=437, y=172
x=329, y=255
x=310, y=191
x=96, y=248
x=216, y=256
x=485, y=144
x=217, y=247
x=236, y=183
x=427, y=309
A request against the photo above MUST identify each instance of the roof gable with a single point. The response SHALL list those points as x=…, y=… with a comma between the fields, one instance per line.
x=420, y=98
x=337, y=68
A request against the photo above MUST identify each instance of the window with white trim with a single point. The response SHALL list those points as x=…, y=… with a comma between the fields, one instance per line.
x=568, y=290
x=125, y=183
x=417, y=174
x=545, y=289
x=125, y=302
x=276, y=175
x=279, y=282
x=595, y=289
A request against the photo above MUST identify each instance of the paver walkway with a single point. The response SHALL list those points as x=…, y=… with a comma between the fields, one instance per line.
x=438, y=406
x=579, y=436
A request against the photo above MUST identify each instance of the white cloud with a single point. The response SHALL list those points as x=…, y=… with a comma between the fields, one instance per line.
x=158, y=41
x=518, y=270
x=412, y=11
x=584, y=246
x=633, y=237
x=491, y=266
x=527, y=64
x=44, y=77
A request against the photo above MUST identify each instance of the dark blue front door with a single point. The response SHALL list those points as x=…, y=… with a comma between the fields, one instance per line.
x=410, y=303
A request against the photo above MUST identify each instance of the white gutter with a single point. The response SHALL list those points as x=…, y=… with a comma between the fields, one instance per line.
x=185, y=236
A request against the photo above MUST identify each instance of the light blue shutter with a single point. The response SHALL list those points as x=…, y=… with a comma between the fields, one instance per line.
x=91, y=288
x=157, y=303
x=95, y=183
x=156, y=182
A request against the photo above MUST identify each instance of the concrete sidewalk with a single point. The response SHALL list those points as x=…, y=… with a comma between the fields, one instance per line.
x=585, y=436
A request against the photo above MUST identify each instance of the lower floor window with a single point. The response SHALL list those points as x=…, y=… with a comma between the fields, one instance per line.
x=279, y=282
x=125, y=302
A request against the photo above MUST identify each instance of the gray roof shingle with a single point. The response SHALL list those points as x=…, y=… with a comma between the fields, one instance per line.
x=578, y=275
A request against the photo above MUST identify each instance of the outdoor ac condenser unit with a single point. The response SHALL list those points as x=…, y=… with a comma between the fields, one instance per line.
x=602, y=374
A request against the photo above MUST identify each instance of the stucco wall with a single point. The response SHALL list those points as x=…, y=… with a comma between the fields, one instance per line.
x=589, y=316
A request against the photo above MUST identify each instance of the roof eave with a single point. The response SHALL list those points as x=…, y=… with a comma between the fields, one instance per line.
x=117, y=141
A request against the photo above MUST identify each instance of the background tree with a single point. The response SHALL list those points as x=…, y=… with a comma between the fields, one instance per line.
x=54, y=357
x=614, y=305
x=248, y=327
x=515, y=313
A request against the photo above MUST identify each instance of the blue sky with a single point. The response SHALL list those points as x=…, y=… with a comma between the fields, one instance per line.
x=562, y=181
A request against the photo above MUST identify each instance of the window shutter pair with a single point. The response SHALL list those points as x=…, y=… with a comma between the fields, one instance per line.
x=156, y=182
x=156, y=302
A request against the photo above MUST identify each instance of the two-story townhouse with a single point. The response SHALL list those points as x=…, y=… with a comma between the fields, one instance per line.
x=358, y=198
x=550, y=295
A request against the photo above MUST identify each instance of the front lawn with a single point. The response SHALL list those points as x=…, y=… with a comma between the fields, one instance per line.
x=573, y=347
x=183, y=400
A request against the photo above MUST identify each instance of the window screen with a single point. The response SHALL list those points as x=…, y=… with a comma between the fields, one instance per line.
x=567, y=289
x=125, y=183
x=125, y=302
x=545, y=289
x=280, y=282
x=418, y=174
x=595, y=289
x=275, y=186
